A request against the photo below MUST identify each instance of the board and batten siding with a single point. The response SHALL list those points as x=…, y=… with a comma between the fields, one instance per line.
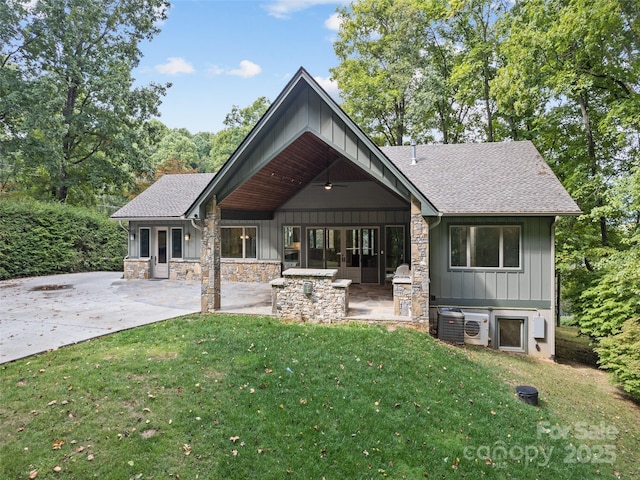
x=270, y=232
x=529, y=287
x=190, y=249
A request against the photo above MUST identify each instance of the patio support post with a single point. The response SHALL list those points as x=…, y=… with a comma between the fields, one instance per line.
x=210, y=259
x=419, y=264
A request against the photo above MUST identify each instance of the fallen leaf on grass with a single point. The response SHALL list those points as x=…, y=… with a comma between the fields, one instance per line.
x=58, y=443
x=234, y=453
x=57, y=468
x=186, y=448
x=33, y=473
x=51, y=403
x=90, y=457
x=234, y=439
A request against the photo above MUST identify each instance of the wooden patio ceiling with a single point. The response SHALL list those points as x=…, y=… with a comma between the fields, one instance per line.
x=289, y=172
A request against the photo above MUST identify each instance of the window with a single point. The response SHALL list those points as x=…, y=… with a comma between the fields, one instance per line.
x=485, y=246
x=291, y=247
x=394, y=255
x=144, y=243
x=511, y=334
x=239, y=242
x=176, y=243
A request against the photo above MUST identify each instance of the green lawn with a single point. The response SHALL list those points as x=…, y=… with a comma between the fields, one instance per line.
x=217, y=397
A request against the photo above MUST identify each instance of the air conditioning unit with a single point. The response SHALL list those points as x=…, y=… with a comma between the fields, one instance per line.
x=451, y=325
x=476, y=329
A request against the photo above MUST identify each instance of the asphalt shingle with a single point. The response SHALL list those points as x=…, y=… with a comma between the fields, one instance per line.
x=484, y=178
x=170, y=196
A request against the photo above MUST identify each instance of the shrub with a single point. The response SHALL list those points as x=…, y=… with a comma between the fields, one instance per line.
x=39, y=238
x=620, y=354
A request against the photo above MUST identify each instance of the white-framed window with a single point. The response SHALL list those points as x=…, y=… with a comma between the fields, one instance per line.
x=485, y=246
x=511, y=333
x=145, y=242
x=176, y=243
x=239, y=242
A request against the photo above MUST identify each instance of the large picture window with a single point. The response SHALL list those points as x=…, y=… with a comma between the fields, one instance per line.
x=239, y=242
x=495, y=246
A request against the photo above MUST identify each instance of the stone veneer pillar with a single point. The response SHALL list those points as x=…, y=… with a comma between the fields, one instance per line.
x=419, y=264
x=210, y=259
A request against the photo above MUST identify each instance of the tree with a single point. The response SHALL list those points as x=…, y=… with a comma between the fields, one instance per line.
x=474, y=29
x=581, y=54
x=71, y=116
x=420, y=69
x=238, y=123
x=379, y=48
x=179, y=150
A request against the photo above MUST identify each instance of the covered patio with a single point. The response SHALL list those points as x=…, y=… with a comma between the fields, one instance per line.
x=367, y=302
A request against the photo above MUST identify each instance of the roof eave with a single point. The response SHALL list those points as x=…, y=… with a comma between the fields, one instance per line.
x=149, y=219
x=512, y=214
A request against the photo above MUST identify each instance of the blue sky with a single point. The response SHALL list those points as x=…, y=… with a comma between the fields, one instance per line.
x=220, y=53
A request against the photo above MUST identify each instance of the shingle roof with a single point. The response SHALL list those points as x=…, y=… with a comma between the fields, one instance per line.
x=484, y=178
x=169, y=196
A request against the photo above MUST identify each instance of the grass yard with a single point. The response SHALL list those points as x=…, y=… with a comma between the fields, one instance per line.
x=234, y=397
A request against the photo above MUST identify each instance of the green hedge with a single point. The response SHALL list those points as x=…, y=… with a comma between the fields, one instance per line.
x=46, y=238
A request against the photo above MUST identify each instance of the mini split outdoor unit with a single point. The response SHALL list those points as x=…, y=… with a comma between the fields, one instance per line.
x=476, y=329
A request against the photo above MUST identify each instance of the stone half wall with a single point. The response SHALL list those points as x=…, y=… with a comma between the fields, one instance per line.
x=180, y=269
x=310, y=295
x=137, y=269
x=260, y=271
x=247, y=270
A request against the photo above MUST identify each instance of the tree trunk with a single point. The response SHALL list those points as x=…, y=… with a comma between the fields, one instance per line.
x=487, y=101
x=591, y=152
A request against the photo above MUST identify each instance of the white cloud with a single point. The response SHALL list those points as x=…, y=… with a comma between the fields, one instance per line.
x=284, y=8
x=247, y=69
x=333, y=22
x=175, y=66
x=330, y=86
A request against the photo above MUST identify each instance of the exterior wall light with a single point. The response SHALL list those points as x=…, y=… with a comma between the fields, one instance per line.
x=132, y=237
x=187, y=237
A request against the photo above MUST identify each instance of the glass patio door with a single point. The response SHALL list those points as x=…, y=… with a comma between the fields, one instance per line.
x=352, y=251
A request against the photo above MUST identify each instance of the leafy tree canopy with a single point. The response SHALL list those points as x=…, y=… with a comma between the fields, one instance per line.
x=72, y=121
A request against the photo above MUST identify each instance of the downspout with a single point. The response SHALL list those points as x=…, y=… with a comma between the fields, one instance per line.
x=128, y=233
x=555, y=305
x=195, y=225
x=431, y=227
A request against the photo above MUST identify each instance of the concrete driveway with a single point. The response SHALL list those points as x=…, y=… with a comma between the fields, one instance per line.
x=44, y=313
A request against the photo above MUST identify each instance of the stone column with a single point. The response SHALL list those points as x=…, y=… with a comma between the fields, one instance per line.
x=419, y=264
x=210, y=259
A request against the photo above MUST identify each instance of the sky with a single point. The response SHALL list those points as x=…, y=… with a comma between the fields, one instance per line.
x=223, y=53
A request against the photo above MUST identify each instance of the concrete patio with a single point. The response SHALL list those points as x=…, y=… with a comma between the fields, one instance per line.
x=45, y=313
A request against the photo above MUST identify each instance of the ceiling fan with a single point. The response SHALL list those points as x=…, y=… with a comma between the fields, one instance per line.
x=328, y=185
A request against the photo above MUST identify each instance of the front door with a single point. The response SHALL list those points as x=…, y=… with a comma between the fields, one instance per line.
x=352, y=251
x=160, y=259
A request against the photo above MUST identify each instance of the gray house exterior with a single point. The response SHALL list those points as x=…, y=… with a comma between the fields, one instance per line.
x=308, y=191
